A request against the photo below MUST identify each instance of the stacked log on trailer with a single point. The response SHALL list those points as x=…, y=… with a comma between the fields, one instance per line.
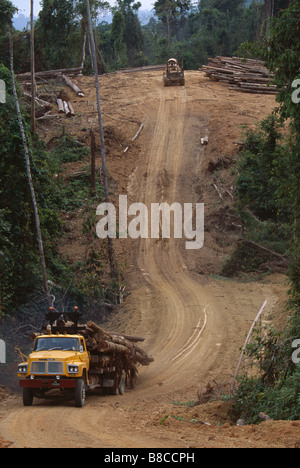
x=247, y=76
x=105, y=342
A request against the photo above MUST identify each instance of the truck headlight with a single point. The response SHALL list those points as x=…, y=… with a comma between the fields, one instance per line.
x=73, y=369
x=23, y=368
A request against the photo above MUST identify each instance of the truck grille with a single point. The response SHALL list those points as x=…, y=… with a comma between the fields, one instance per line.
x=55, y=367
x=38, y=367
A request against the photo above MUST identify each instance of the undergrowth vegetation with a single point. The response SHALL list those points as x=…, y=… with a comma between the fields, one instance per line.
x=263, y=208
x=269, y=206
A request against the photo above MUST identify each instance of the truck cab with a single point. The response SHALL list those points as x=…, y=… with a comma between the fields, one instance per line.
x=58, y=362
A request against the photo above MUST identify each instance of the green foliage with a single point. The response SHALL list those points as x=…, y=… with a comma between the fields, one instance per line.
x=180, y=29
x=263, y=165
x=20, y=276
x=19, y=251
x=264, y=205
x=55, y=30
x=117, y=34
x=280, y=402
x=7, y=11
x=67, y=150
x=275, y=389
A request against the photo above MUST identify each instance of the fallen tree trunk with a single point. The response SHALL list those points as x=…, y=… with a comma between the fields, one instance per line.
x=73, y=86
x=50, y=73
x=60, y=104
x=71, y=109
x=66, y=109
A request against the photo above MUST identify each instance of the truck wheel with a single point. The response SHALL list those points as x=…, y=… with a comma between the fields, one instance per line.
x=80, y=393
x=27, y=396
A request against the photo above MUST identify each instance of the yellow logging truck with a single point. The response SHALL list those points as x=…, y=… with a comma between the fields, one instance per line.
x=68, y=359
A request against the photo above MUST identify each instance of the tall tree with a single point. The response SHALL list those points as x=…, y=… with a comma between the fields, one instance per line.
x=101, y=131
x=169, y=10
x=32, y=62
x=55, y=27
x=132, y=30
x=117, y=34
x=80, y=10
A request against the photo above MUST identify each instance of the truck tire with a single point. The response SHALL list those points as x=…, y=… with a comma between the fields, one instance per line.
x=27, y=396
x=80, y=393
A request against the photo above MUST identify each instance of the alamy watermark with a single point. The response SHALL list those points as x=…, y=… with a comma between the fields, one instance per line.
x=296, y=354
x=2, y=352
x=160, y=221
x=2, y=92
x=296, y=93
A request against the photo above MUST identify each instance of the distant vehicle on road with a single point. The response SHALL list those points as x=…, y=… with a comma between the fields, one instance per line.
x=173, y=74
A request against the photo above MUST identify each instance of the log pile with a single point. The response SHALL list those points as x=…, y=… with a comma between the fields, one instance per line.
x=107, y=343
x=65, y=107
x=248, y=76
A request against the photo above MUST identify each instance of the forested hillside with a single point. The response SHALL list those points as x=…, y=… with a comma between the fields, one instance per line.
x=190, y=31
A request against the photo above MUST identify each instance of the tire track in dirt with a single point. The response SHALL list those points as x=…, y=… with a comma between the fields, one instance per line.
x=181, y=299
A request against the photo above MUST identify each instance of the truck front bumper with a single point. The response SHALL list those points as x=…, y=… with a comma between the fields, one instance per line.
x=47, y=384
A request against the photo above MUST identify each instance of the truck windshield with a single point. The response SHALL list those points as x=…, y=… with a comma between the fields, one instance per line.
x=59, y=343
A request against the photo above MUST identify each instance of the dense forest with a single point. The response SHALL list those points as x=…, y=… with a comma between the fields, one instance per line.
x=268, y=188
x=190, y=31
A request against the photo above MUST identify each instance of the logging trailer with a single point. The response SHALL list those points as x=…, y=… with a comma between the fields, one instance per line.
x=69, y=359
x=173, y=74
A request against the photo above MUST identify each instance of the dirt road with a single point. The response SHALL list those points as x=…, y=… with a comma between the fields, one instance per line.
x=194, y=323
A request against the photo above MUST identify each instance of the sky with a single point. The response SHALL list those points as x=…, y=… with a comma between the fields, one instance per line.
x=24, y=5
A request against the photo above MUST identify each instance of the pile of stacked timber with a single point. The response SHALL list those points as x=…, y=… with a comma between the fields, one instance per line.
x=98, y=340
x=106, y=343
x=248, y=76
